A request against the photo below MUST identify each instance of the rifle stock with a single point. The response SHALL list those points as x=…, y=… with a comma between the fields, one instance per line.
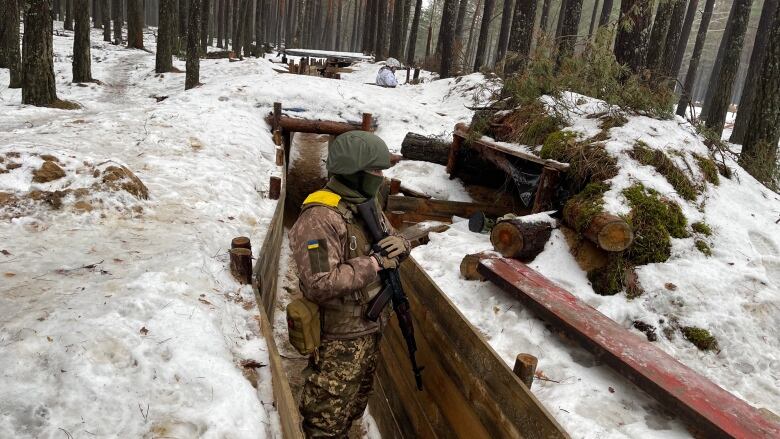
x=393, y=290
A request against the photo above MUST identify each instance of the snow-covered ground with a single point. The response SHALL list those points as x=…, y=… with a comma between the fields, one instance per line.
x=118, y=316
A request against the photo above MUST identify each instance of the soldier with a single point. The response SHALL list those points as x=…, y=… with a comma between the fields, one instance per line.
x=338, y=272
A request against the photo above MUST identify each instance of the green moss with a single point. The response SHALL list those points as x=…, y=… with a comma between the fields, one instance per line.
x=557, y=144
x=701, y=338
x=588, y=160
x=610, y=279
x=708, y=168
x=585, y=205
x=537, y=130
x=703, y=247
x=612, y=121
x=654, y=220
x=65, y=105
x=701, y=228
x=666, y=167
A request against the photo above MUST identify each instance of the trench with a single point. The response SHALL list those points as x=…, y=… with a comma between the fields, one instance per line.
x=468, y=390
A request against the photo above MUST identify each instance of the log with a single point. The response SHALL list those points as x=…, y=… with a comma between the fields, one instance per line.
x=395, y=186
x=413, y=193
x=425, y=148
x=520, y=240
x=241, y=265
x=587, y=254
x=469, y=264
x=442, y=208
x=275, y=188
x=462, y=131
x=608, y=231
x=525, y=368
x=545, y=191
x=293, y=124
x=279, y=156
x=241, y=242
x=367, y=122
x=418, y=234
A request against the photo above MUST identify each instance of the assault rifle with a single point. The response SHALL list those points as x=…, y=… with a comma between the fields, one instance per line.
x=392, y=291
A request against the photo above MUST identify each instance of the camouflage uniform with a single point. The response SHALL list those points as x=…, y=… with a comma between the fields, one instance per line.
x=331, y=251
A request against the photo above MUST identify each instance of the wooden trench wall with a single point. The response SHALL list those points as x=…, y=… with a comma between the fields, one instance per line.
x=468, y=390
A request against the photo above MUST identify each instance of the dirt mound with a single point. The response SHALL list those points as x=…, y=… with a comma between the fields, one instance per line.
x=49, y=171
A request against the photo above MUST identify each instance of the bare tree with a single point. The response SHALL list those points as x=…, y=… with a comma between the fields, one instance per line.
x=135, y=24
x=165, y=36
x=10, y=56
x=484, y=31
x=757, y=57
x=38, y=83
x=193, y=59
x=412, y=45
x=447, y=37
x=503, y=34
x=633, y=33
x=693, y=66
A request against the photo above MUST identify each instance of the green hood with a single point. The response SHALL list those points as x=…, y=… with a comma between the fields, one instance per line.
x=357, y=151
x=355, y=188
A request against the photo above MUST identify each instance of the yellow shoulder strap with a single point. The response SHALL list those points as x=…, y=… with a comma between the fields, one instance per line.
x=323, y=197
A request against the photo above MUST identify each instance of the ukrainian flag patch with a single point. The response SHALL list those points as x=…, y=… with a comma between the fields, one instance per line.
x=313, y=245
x=318, y=255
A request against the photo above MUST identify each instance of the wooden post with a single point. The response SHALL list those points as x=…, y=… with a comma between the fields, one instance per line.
x=279, y=156
x=367, y=122
x=277, y=116
x=241, y=242
x=241, y=265
x=545, y=192
x=416, y=74
x=452, y=159
x=275, y=188
x=395, y=186
x=408, y=71
x=520, y=240
x=525, y=368
x=469, y=264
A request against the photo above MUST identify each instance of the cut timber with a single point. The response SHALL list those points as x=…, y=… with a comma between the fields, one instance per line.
x=274, y=188
x=545, y=191
x=418, y=233
x=426, y=149
x=587, y=254
x=297, y=125
x=608, y=231
x=241, y=265
x=438, y=209
x=484, y=143
x=678, y=388
x=469, y=264
x=367, y=122
x=413, y=193
x=241, y=242
x=525, y=368
x=518, y=239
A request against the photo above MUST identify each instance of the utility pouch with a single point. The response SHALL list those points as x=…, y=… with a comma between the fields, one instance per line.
x=303, y=325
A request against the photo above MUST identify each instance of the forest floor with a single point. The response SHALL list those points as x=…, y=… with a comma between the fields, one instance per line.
x=119, y=317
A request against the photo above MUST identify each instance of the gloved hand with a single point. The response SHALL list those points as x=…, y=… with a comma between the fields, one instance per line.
x=386, y=262
x=394, y=246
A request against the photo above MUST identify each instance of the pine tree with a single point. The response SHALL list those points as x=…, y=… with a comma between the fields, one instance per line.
x=106, y=7
x=205, y=9
x=521, y=36
x=412, y=45
x=733, y=40
x=10, y=56
x=68, y=25
x=503, y=34
x=165, y=36
x=759, y=149
x=116, y=13
x=747, y=99
x=193, y=60
x=633, y=32
x=569, y=27
x=447, y=37
x=38, y=84
x=685, y=35
x=135, y=24
x=606, y=12
x=396, y=36
x=82, y=61
x=381, y=30
x=484, y=31
x=673, y=40
x=693, y=66
x=593, y=18
x=655, y=50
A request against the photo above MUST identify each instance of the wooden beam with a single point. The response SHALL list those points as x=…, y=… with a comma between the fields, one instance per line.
x=461, y=131
x=293, y=124
x=442, y=208
x=680, y=389
x=418, y=233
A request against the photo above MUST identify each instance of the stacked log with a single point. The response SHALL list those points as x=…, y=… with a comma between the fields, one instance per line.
x=608, y=231
x=469, y=264
x=519, y=239
x=241, y=260
x=425, y=148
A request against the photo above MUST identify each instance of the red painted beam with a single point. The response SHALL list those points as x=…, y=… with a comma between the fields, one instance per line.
x=708, y=407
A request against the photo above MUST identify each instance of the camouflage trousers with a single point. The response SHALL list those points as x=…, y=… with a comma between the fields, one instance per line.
x=337, y=385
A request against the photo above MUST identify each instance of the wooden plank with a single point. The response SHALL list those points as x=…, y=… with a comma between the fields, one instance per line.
x=679, y=388
x=461, y=130
x=462, y=360
x=442, y=208
x=418, y=233
x=298, y=125
x=379, y=406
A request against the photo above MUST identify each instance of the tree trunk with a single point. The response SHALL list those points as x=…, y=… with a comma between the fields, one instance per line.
x=569, y=27
x=655, y=50
x=609, y=232
x=721, y=97
x=259, y=51
x=106, y=20
x=484, y=31
x=447, y=31
x=10, y=56
x=193, y=60
x=633, y=33
x=673, y=36
x=221, y=21
x=745, y=109
x=469, y=53
x=685, y=35
x=519, y=239
x=545, y=18
x=759, y=150
x=396, y=37
x=97, y=14
x=503, y=34
x=381, y=30
x=38, y=84
x=521, y=37
x=593, y=18
x=205, y=8
x=693, y=66
x=227, y=25
x=165, y=37
x=246, y=27
x=469, y=264
x=460, y=22
x=116, y=16
x=82, y=61
x=234, y=39
x=135, y=24
x=337, y=44
x=606, y=12
x=412, y=44
x=425, y=148
x=68, y=25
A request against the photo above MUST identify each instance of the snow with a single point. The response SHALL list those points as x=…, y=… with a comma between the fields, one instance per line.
x=121, y=319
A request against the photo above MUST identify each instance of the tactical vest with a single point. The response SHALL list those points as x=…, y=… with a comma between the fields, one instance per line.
x=342, y=317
